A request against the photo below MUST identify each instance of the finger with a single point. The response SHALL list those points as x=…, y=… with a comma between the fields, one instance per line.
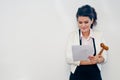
x=90, y=56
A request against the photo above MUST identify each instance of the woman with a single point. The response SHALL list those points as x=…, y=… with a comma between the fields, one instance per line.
x=85, y=35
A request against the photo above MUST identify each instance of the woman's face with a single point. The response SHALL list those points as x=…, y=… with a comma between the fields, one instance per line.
x=84, y=23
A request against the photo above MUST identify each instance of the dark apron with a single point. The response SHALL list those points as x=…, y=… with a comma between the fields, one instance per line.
x=86, y=72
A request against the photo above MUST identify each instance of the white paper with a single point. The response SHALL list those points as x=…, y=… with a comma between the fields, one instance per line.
x=82, y=52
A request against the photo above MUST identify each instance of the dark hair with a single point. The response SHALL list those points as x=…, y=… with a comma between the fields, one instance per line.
x=87, y=11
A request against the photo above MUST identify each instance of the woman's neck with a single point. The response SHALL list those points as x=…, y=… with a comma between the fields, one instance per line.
x=86, y=34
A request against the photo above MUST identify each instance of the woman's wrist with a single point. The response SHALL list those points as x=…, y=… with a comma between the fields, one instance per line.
x=85, y=62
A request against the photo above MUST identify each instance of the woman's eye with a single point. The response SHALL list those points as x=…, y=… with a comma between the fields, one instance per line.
x=80, y=22
x=86, y=22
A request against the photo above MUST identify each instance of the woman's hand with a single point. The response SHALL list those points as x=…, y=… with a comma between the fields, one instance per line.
x=96, y=59
x=93, y=59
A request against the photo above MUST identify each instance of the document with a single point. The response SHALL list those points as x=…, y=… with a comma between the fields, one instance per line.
x=82, y=52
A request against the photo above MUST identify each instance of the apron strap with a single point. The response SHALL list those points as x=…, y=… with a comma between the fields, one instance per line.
x=80, y=39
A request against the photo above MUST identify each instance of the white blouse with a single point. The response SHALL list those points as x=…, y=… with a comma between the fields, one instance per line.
x=74, y=39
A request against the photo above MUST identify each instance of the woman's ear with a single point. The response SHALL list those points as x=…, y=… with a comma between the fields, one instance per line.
x=92, y=21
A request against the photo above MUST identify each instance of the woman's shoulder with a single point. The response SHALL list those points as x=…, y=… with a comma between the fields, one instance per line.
x=97, y=33
x=74, y=32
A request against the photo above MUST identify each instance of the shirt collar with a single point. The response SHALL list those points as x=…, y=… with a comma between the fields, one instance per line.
x=90, y=36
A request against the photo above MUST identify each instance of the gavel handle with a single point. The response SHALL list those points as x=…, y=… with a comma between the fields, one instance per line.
x=101, y=51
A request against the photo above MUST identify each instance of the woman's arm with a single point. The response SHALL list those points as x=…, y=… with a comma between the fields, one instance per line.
x=92, y=60
x=85, y=62
x=96, y=59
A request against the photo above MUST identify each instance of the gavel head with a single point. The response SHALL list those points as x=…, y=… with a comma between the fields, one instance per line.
x=104, y=46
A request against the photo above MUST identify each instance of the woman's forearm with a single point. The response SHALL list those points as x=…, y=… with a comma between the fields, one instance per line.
x=85, y=62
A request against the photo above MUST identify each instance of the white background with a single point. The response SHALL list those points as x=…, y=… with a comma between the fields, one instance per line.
x=33, y=35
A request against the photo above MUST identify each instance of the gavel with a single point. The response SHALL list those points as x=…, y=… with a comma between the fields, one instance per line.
x=104, y=47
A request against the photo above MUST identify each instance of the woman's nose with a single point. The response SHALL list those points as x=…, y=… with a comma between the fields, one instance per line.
x=83, y=24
